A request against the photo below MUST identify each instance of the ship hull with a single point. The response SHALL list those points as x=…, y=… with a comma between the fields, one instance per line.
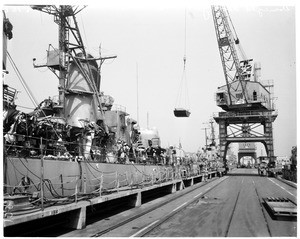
x=66, y=178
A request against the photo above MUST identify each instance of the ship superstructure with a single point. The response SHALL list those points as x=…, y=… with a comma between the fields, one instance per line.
x=72, y=139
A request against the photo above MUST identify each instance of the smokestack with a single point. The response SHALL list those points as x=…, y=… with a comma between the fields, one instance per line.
x=257, y=71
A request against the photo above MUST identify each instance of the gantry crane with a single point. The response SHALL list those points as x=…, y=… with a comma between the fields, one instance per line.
x=246, y=101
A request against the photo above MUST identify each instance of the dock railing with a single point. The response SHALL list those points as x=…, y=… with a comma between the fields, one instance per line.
x=224, y=114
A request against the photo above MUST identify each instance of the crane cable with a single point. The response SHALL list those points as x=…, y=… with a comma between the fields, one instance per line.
x=236, y=39
x=183, y=78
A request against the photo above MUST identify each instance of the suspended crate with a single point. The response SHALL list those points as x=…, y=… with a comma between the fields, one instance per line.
x=181, y=112
x=181, y=109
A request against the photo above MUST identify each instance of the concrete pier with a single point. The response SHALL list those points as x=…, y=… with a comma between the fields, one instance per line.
x=77, y=211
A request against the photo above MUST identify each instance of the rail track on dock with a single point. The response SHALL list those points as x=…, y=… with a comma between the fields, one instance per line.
x=145, y=231
x=208, y=186
x=230, y=221
x=242, y=211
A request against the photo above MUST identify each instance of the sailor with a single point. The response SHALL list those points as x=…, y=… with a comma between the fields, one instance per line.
x=150, y=151
x=164, y=156
x=144, y=158
x=155, y=175
x=158, y=155
x=169, y=155
x=173, y=155
x=205, y=171
x=120, y=151
x=126, y=149
x=219, y=172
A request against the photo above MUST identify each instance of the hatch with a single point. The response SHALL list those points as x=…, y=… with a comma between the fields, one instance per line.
x=280, y=206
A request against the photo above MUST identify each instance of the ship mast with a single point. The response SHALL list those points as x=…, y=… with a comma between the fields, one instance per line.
x=69, y=47
x=63, y=49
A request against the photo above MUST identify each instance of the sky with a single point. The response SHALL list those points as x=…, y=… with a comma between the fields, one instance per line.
x=148, y=38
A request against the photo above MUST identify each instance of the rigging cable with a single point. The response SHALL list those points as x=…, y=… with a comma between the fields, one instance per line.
x=184, y=58
x=236, y=39
x=27, y=89
x=82, y=23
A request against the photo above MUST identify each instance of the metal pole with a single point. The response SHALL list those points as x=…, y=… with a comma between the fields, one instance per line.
x=76, y=189
x=62, y=184
x=147, y=120
x=63, y=47
x=42, y=183
x=205, y=138
x=137, y=92
x=84, y=184
x=117, y=181
x=5, y=169
x=101, y=185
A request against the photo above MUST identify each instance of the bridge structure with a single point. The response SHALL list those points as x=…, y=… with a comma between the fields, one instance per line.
x=247, y=150
x=246, y=127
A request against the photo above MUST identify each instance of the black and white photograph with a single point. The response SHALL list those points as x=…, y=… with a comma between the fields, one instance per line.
x=149, y=118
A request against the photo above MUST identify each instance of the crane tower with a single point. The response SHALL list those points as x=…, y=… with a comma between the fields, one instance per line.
x=247, y=101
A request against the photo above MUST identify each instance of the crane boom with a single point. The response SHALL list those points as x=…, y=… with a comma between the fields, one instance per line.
x=228, y=54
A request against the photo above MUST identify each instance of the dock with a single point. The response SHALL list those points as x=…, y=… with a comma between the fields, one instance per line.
x=133, y=195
